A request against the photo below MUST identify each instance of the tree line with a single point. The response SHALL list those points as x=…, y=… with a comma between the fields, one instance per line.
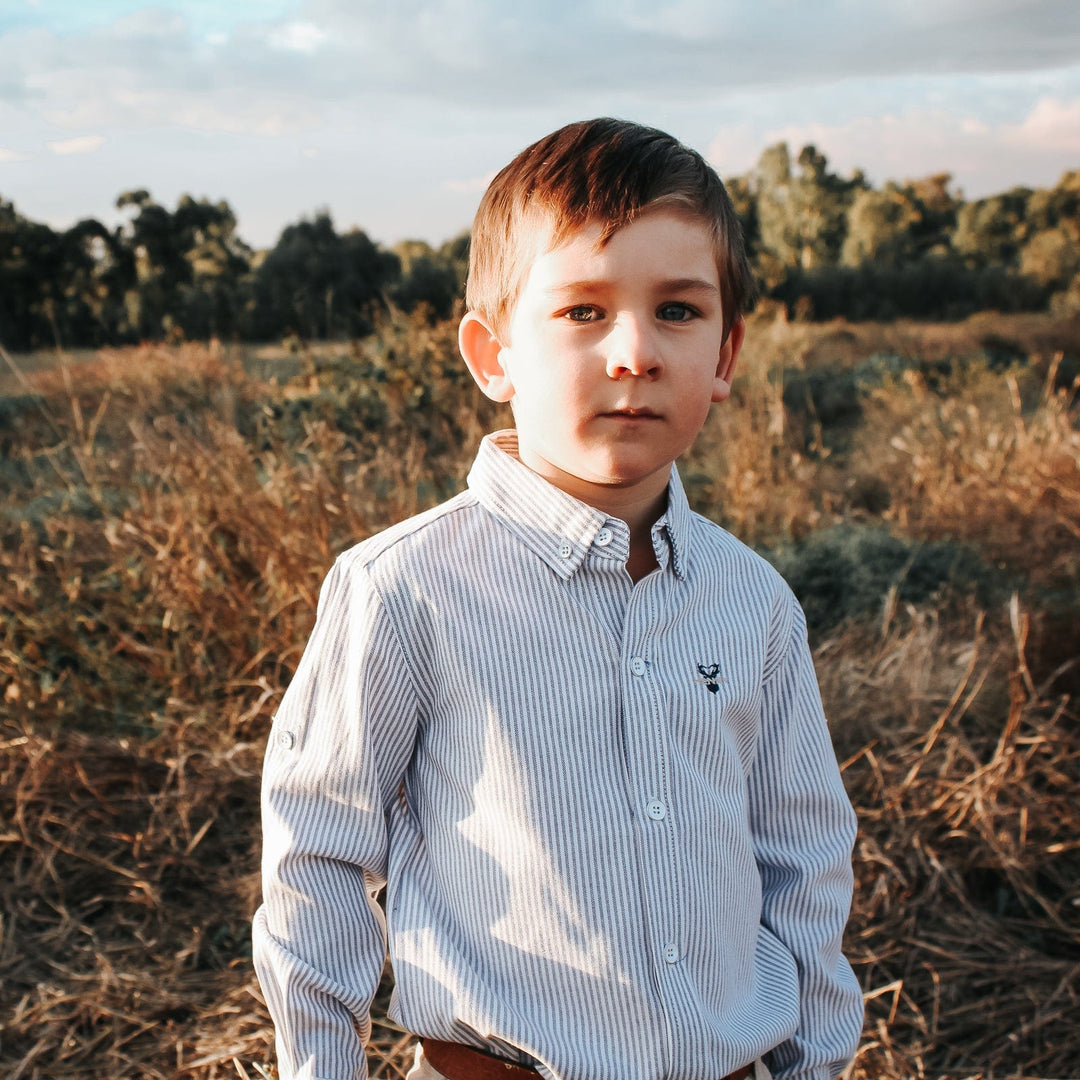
x=830, y=246
x=822, y=244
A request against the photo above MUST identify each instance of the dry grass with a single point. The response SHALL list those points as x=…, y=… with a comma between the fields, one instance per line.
x=750, y=468
x=977, y=463
x=965, y=931
x=165, y=520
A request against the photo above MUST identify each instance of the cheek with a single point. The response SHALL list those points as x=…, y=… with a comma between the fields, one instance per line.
x=694, y=410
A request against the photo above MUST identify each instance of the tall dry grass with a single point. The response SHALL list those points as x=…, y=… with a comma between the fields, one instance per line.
x=973, y=460
x=166, y=517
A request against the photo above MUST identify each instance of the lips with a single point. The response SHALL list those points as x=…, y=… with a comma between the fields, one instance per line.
x=630, y=413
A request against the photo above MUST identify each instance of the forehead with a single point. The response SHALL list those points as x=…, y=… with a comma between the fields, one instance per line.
x=666, y=243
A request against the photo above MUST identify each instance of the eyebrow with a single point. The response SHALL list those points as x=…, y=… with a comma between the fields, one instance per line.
x=672, y=285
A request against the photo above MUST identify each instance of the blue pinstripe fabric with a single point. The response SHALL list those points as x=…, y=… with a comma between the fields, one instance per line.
x=602, y=856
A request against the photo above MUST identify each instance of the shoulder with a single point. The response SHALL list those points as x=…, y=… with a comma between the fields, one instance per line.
x=389, y=578
x=421, y=536
x=720, y=551
x=415, y=564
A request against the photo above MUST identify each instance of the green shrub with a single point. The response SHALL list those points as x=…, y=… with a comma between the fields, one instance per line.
x=848, y=570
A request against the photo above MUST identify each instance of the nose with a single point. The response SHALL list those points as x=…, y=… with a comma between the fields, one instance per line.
x=632, y=349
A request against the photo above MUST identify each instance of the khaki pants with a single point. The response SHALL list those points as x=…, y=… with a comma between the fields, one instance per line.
x=421, y=1070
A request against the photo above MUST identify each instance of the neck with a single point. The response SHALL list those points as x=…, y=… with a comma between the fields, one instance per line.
x=638, y=504
x=642, y=559
x=640, y=515
x=639, y=512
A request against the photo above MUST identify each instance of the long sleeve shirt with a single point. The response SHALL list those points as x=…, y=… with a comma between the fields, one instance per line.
x=608, y=815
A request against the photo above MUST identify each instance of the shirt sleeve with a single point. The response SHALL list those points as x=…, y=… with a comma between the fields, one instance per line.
x=332, y=777
x=804, y=831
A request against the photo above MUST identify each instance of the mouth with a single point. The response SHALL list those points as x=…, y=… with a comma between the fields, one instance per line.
x=629, y=413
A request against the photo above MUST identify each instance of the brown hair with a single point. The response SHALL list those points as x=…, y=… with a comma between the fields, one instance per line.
x=595, y=171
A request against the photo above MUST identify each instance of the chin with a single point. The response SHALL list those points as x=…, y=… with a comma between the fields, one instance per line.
x=628, y=477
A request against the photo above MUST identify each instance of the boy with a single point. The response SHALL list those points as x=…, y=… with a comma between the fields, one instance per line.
x=572, y=726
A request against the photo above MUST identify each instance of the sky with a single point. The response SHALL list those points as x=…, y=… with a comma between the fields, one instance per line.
x=394, y=114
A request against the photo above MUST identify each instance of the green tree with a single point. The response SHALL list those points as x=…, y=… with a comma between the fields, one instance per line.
x=991, y=231
x=1051, y=255
x=318, y=283
x=900, y=223
x=937, y=206
x=190, y=267
x=801, y=213
x=435, y=278
x=880, y=227
x=743, y=198
x=96, y=269
x=56, y=288
x=1052, y=258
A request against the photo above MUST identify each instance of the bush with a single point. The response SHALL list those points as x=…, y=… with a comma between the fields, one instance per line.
x=848, y=571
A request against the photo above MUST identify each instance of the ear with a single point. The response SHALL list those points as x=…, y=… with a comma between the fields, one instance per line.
x=482, y=350
x=729, y=354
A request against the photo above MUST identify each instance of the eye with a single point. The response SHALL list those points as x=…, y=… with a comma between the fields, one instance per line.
x=583, y=313
x=676, y=312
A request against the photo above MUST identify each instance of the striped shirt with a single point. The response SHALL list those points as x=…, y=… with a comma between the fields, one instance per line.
x=608, y=815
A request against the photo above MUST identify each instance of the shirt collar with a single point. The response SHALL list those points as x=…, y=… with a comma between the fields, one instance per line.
x=675, y=525
x=560, y=529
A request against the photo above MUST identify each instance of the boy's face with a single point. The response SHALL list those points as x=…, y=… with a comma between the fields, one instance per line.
x=614, y=355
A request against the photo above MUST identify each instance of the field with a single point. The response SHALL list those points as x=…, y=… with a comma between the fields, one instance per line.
x=167, y=515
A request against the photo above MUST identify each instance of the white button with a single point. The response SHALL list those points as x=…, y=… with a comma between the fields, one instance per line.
x=656, y=810
x=604, y=537
x=638, y=666
x=671, y=953
x=286, y=740
x=565, y=550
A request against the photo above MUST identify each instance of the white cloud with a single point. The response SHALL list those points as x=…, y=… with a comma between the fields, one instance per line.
x=234, y=113
x=232, y=110
x=506, y=54
x=486, y=54
x=734, y=149
x=982, y=157
x=81, y=144
x=470, y=186
x=148, y=24
x=11, y=155
x=301, y=37
x=1051, y=125
x=892, y=146
x=147, y=70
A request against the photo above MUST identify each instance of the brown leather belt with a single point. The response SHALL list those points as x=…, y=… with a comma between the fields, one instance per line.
x=457, y=1062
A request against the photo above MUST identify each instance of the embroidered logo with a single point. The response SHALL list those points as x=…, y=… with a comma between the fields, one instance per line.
x=711, y=677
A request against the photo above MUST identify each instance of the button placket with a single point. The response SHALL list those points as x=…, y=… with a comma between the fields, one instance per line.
x=647, y=703
x=662, y=876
